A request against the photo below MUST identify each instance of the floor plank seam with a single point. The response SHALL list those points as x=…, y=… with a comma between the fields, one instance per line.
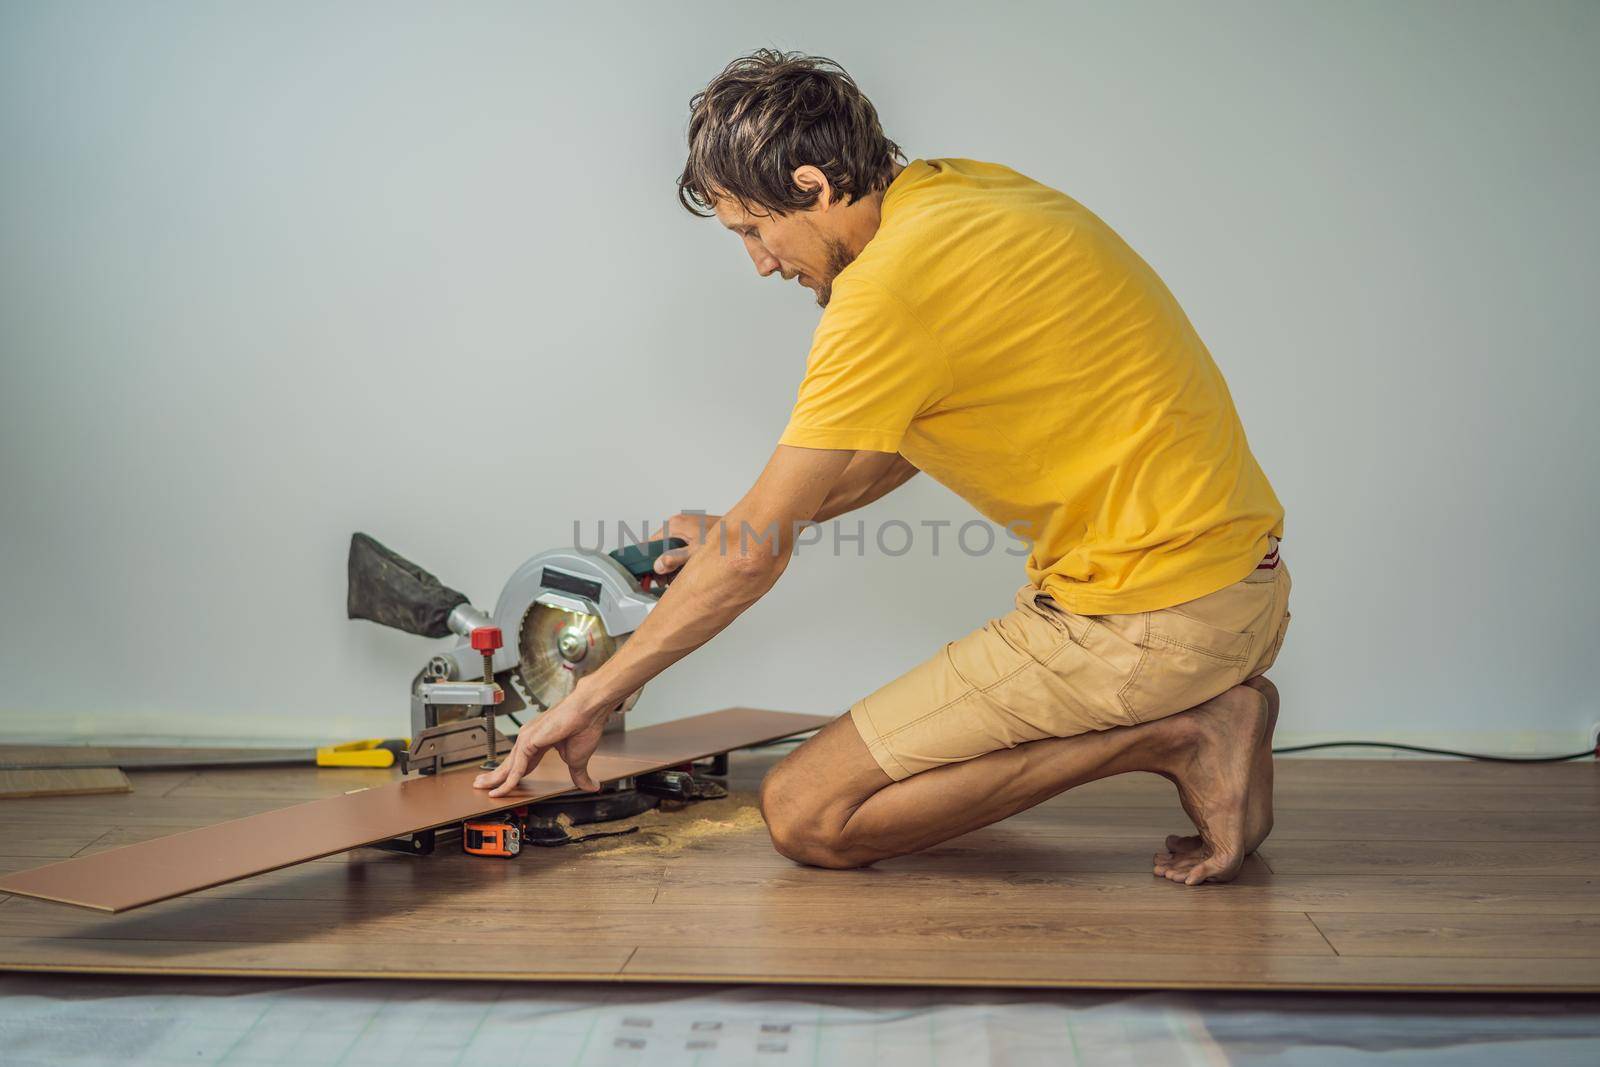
x=1318, y=929
x=102, y=837
x=180, y=783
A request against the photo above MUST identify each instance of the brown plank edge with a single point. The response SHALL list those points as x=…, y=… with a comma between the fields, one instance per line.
x=130, y=877
x=32, y=782
x=146, y=757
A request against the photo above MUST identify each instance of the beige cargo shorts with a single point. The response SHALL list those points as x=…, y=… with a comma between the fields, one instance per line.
x=1042, y=671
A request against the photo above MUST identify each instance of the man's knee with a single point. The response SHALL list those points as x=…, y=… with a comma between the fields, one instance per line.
x=798, y=824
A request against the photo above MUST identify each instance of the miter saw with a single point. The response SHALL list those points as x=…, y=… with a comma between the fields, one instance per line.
x=567, y=611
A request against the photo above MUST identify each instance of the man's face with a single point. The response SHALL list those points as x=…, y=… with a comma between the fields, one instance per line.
x=796, y=246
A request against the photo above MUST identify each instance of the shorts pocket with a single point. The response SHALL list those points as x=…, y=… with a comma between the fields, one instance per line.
x=1277, y=646
x=1174, y=627
x=1185, y=661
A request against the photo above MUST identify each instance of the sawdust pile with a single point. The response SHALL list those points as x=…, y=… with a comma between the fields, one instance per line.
x=664, y=832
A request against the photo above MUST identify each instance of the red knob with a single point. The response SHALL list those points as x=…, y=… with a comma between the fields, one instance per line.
x=486, y=638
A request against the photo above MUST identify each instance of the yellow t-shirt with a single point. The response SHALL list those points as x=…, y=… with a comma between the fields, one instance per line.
x=1005, y=340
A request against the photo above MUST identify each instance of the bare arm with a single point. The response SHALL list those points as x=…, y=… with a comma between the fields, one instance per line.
x=869, y=476
x=712, y=590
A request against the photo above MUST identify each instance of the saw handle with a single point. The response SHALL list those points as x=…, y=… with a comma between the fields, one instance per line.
x=640, y=560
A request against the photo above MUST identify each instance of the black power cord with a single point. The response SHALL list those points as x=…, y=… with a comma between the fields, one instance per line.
x=1358, y=744
x=1435, y=752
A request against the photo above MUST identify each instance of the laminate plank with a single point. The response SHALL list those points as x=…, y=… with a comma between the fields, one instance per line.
x=447, y=853
x=1431, y=858
x=155, y=783
x=564, y=960
x=117, y=836
x=43, y=843
x=365, y=876
x=1103, y=970
x=137, y=875
x=1462, y=936
x=138, y=809
x=17, y=863
x=844, y=928
x=47, y=782
x=280, y=783
x=354, y=880
x=1255, y=891
x=44, y=755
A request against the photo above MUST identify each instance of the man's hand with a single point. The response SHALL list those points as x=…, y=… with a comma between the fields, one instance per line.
x=693, y=528
x=570, y=728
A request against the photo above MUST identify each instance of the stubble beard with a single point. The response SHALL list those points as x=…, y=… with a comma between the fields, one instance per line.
x=839, y=257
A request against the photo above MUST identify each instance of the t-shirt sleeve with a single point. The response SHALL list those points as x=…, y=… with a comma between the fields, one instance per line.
x=873, y=368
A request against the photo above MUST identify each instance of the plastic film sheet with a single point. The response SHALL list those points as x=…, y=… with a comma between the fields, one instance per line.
x=82, y=1020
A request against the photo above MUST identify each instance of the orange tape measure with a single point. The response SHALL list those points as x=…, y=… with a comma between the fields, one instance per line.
x=492, y=837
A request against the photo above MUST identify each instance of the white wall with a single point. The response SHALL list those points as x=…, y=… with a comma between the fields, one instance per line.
x=265, y=267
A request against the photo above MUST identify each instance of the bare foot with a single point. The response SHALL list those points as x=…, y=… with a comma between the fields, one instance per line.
x=1216, y=750
x=1258, y=814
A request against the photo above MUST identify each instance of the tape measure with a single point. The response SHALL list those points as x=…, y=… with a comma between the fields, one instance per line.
x=492, y=837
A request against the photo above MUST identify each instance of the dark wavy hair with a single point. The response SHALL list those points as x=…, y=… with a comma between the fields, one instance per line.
x=770, y=112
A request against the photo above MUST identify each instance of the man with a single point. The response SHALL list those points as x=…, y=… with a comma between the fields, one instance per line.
x=994, y=333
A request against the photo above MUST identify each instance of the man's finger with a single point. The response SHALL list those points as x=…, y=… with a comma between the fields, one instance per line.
x=671, y=560
x=511, y=773
x=582, y=779
x=490, y=779
x=514, y=769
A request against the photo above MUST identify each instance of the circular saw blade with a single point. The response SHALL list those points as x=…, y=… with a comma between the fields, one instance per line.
x=556, y=648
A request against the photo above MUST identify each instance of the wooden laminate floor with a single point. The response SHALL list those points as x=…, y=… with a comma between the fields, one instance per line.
x=1392, y=875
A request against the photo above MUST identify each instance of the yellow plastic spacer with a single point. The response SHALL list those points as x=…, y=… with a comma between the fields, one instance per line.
x=373, y=752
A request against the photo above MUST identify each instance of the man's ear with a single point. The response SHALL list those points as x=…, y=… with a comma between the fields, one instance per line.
x=809, y=177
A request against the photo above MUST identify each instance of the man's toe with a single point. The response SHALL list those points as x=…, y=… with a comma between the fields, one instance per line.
x=1214, y=869
x=1181, y=869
